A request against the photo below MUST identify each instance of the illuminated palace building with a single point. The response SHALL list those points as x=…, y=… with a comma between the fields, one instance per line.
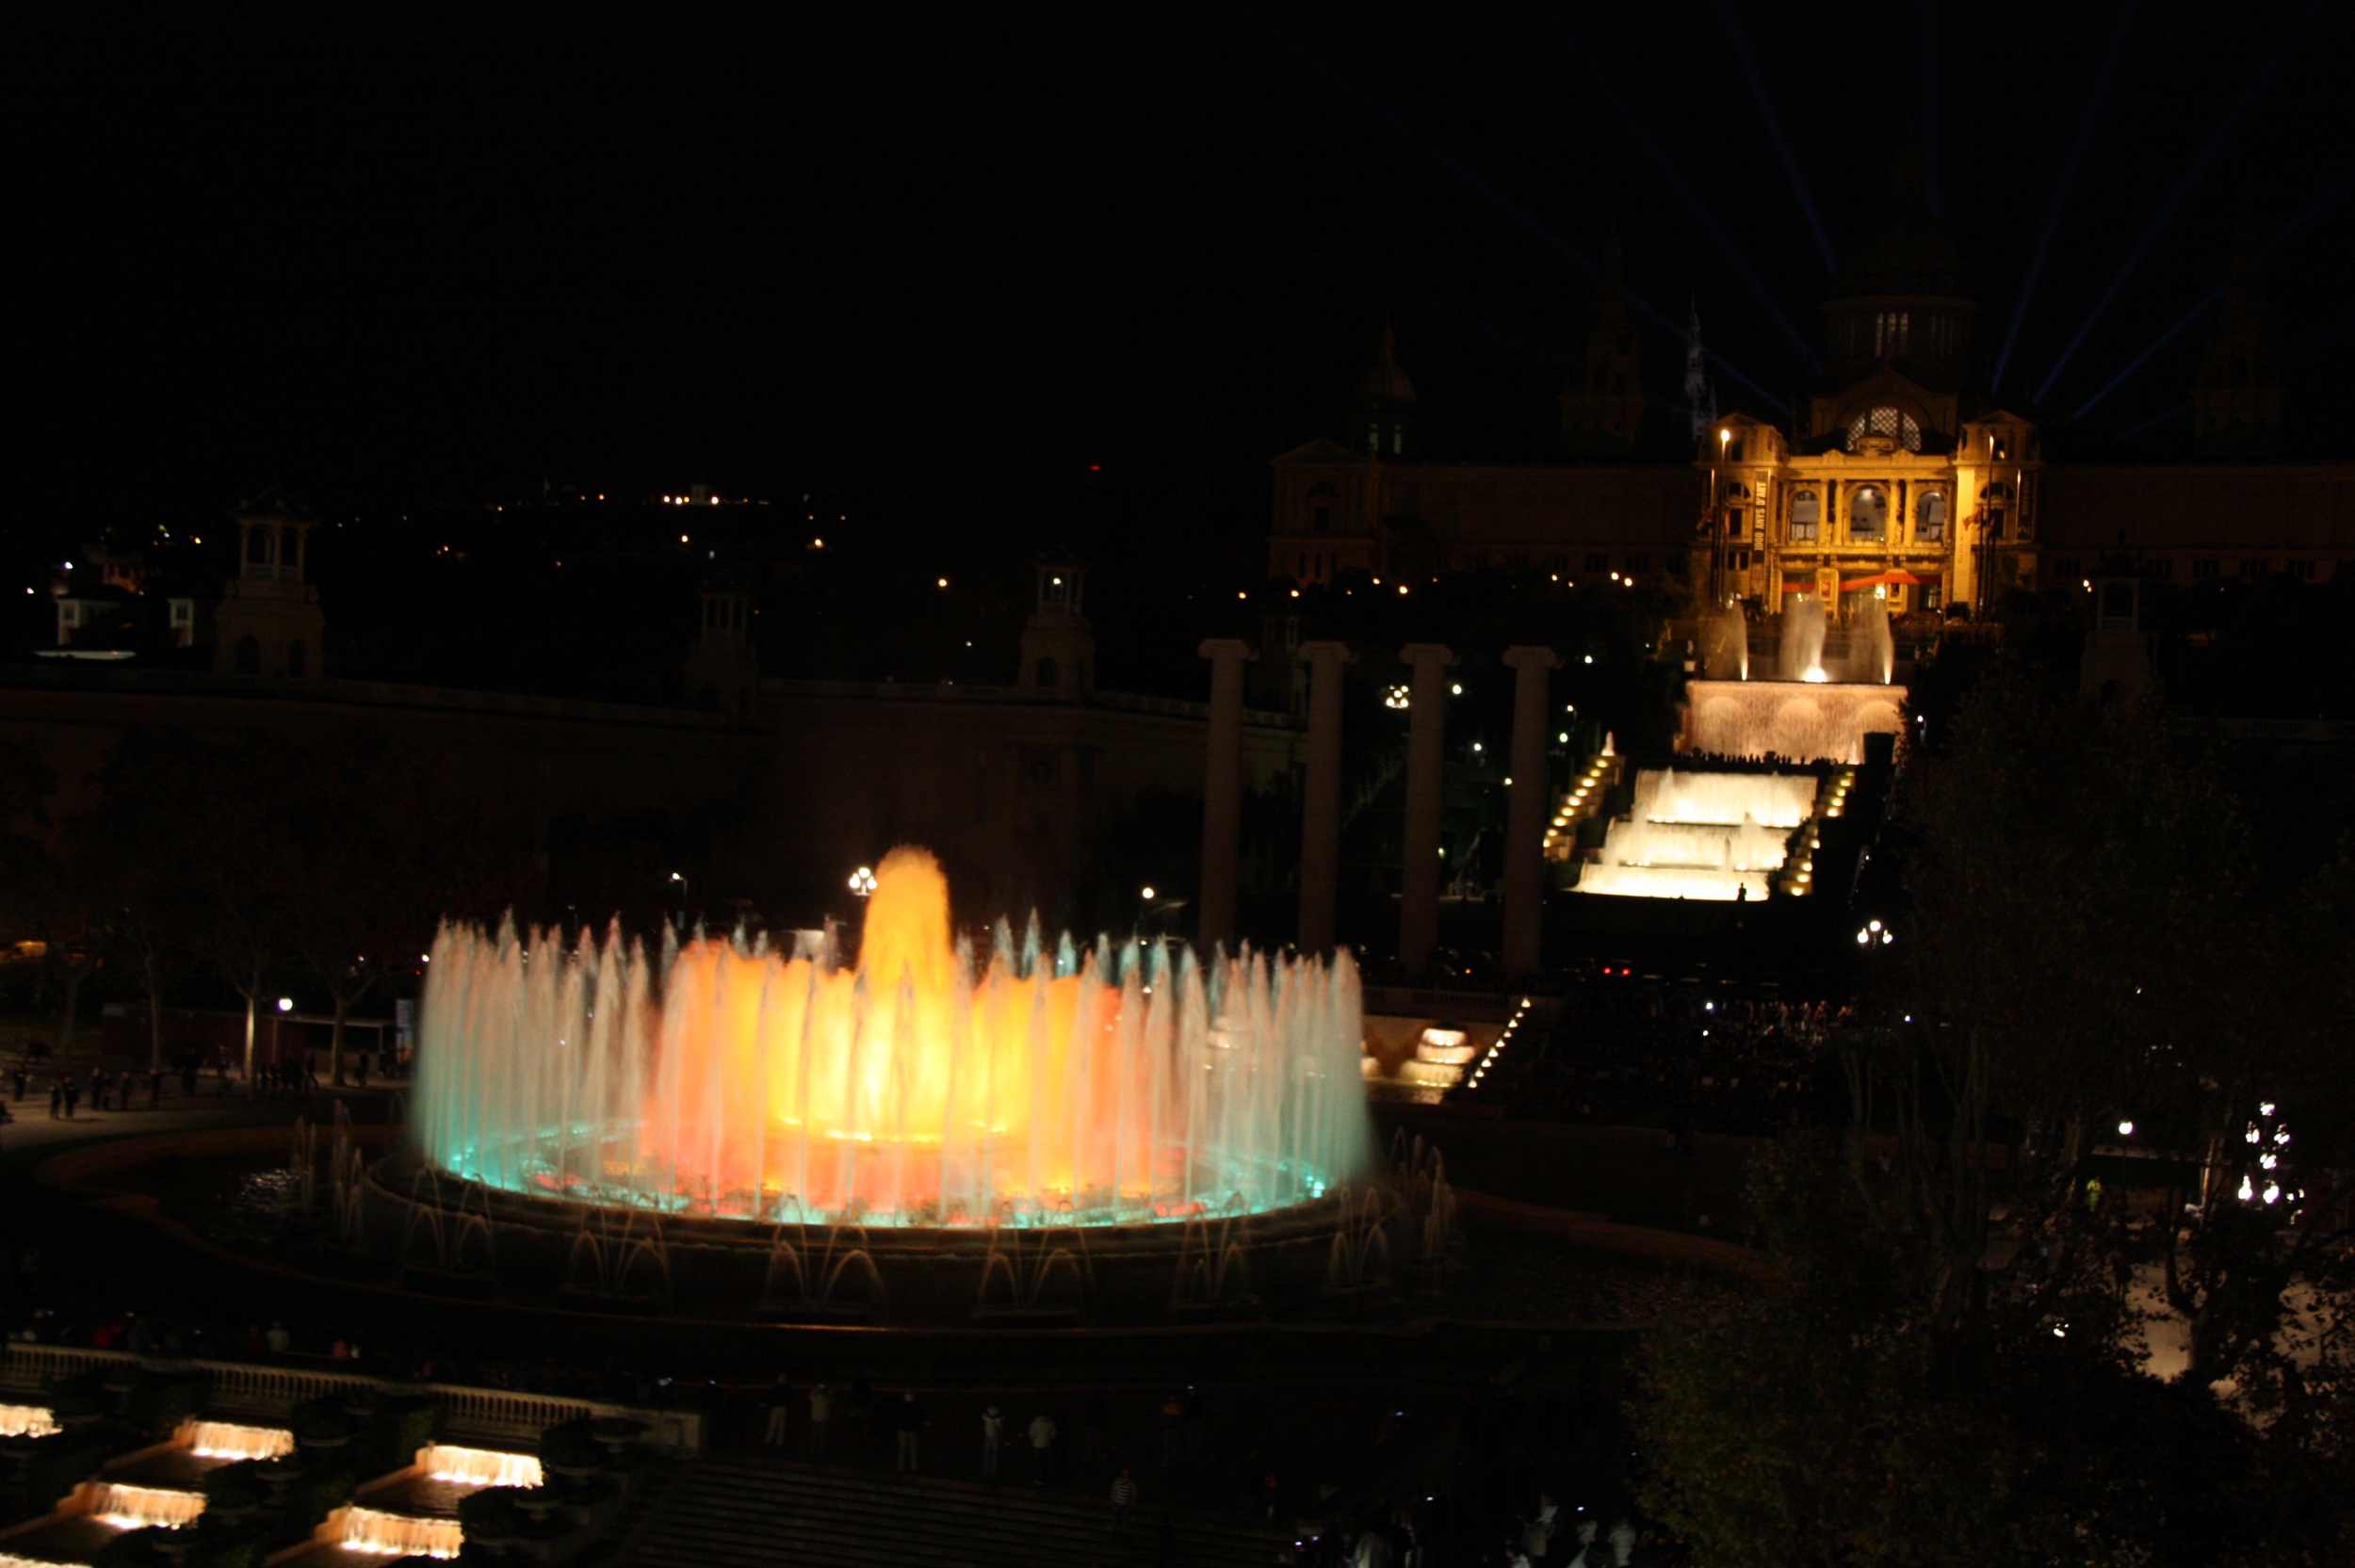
x=1897, y=475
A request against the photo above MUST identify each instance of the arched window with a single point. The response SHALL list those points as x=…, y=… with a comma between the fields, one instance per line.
x=1047, y=675
x=1807, y=515
x=1930, y=517
x=249, y=655
x=1868, y=515
x=1321, y=499
x=297, y=658
x=259, y=542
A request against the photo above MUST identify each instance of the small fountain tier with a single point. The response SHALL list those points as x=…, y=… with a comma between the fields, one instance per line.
x=1701, y=835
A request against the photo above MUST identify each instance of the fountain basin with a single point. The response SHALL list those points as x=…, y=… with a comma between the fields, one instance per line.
x=530, y=1250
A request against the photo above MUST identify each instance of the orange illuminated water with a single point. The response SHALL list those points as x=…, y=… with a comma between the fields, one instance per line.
x=923, y=1087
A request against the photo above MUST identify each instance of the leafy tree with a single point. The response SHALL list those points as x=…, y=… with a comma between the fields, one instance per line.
x=1953, y=1361
x=387, y=852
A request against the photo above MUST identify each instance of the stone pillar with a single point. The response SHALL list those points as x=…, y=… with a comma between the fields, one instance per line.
x=1320, y=807
x=1222, y=791
x=1426, y=775
x=1525, y=810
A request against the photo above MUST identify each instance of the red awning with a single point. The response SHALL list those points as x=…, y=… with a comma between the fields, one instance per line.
x=1879, y=578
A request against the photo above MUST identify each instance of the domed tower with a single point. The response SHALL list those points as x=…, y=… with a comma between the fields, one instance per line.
x=269, y=621
x=1058, y=644
x=2236, y=401
x=1382, y=413
x=1897, y=326
x=1602, y=399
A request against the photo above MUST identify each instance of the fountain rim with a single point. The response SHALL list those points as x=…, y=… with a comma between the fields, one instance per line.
x=573, y=1216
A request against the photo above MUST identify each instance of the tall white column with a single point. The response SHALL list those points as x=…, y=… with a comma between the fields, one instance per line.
x=1320, y=805
x=1525, y=810
x=1426, y=767
x=1222, y=791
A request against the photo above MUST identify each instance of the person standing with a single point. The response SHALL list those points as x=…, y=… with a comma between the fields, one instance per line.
x=780, y=1411
x=907, y=1419
x=821, y=1412
x=57, y=1097
x=1041, y=1448
x=993, y=1432
x=72, y=1096
x=1124, y=1498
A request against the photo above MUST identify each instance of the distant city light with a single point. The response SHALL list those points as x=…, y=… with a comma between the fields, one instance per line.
x=943, y=582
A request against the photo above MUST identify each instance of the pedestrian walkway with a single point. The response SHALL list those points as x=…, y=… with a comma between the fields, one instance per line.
x=721, y=1512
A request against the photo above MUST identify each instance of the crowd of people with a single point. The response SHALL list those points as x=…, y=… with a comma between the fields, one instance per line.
x=1689, y=1057
x=118, y=1089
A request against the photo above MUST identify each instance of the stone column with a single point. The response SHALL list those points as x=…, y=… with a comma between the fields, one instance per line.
x=1525, y=810
x=1321, y=808
x=1426, y=769
x=1222, y=791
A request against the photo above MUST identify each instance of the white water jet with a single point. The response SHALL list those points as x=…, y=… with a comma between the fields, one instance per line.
x=1803, y=638
x=1880, y=648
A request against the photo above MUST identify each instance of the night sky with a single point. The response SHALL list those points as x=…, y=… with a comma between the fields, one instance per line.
x=447, y=254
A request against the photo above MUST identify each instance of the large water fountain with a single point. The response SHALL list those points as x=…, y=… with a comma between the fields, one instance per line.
x=925, y=1090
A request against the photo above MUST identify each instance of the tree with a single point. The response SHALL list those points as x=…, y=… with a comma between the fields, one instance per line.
x=386, y=852
x=1950, y=1363
x=194, y=843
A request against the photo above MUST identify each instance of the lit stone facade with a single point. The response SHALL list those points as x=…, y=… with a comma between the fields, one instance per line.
x=1897, y=477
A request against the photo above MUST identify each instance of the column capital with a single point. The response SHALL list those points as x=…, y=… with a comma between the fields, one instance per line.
x=1528, y=657
x=1318, y=653
x=1227, y=648
x=1420, y=653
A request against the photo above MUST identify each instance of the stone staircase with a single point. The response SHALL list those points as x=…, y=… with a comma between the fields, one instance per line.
x=721, y=1512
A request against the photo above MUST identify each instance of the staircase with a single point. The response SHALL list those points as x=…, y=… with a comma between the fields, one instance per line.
x=721, y=1512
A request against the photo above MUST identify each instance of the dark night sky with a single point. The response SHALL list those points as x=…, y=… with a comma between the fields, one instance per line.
x=450, y=253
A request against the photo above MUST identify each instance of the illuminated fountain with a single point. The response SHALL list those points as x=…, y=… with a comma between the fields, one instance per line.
x=728, y=1088
x=1701, y=835
x=1803, y=640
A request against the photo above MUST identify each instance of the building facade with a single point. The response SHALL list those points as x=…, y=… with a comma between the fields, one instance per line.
x=1895, y=479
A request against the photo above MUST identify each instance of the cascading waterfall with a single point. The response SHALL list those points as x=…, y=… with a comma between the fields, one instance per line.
x=1701, y=835
x=371, y=1529
x=137, y=1507
x=481, y=1466
x=1118, y=1084
x=27, y=1421
x=228, y=1440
